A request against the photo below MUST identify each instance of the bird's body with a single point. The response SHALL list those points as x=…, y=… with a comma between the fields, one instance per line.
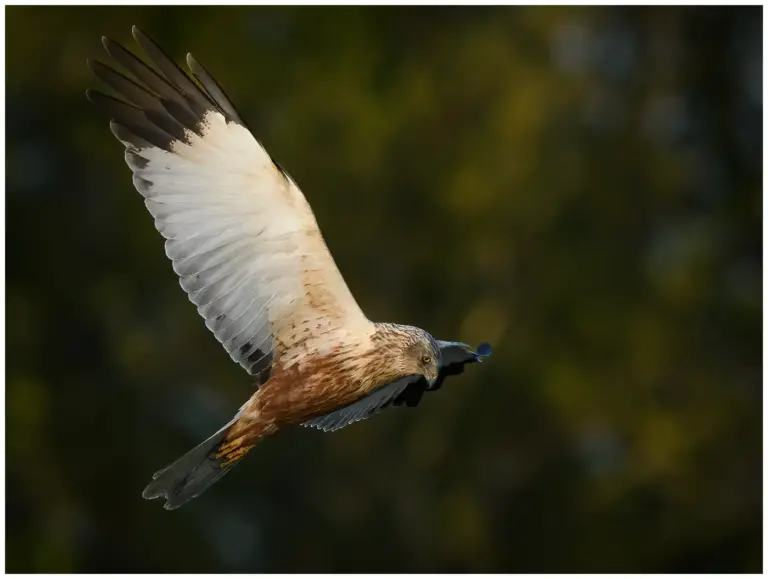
x=249, y=253
x=321, y=382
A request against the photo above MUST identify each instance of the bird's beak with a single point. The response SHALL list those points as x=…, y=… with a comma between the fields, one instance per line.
x=433, y=379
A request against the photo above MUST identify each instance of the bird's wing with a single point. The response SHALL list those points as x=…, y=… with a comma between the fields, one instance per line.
x=405, y=391
x=365, y=407
x=453, y=357
x=240, y=233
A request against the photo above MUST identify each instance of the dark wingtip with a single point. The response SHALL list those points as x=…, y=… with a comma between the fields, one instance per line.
x=484, y=350
x=89, y=95
x=140, y=36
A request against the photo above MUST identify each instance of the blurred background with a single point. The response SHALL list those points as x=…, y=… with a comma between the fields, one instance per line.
x=579, y=186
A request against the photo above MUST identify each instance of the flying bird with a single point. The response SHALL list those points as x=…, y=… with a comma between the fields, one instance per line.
x=248, y=251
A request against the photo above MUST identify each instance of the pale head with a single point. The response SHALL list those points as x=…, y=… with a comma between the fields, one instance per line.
x=409, y=350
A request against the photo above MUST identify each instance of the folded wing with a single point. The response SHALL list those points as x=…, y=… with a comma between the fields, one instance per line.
x=240, y=234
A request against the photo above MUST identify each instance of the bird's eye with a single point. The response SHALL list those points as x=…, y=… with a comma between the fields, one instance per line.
x=426, y=359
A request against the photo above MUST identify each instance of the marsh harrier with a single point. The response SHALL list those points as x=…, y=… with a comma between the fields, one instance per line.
x=247, y=249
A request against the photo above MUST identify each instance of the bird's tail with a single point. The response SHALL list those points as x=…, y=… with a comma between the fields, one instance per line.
x=190, y=475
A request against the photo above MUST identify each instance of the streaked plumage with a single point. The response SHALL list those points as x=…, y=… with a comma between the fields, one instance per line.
x=248, y=252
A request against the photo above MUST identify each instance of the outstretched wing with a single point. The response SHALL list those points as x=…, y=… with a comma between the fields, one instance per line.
x=240, y=234
x=406, y=391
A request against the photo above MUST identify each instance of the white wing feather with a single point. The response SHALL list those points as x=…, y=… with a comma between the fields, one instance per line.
x=245, y=244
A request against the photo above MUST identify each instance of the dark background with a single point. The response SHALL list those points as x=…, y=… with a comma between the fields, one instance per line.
x=579, y=186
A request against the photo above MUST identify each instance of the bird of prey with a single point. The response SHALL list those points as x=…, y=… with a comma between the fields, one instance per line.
x=248, y=251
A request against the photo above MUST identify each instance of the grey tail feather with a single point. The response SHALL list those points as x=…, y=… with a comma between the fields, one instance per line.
x=190, y=475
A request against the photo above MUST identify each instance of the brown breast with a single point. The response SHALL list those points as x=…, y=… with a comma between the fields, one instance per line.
x=311, y=388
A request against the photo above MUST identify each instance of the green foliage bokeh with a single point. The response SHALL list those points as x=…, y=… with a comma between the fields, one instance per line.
x=579, y=186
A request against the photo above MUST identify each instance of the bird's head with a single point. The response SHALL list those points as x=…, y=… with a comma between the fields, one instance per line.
x=425, y=354
x=417, y=352
x=406, y=351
